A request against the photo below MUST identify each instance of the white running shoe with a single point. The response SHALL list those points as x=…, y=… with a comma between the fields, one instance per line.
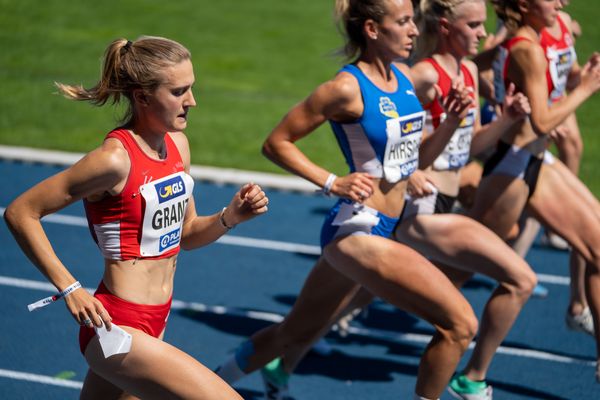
x=550, y=239
x=582, y=322
x=462, y=388
x=486, y=394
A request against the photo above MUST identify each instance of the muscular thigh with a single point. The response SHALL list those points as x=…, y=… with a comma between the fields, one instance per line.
x=565, y=207
x=154, y=369
x=499, y=202
x=459, y=242
x=399, y=275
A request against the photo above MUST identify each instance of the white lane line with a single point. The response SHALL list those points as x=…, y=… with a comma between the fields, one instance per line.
x=274, y=317
x=204, y=173
x=227, y=239
x=48, y=380
x=267, y=244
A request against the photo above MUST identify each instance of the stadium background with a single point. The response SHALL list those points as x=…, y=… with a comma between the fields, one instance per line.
x=253, y=60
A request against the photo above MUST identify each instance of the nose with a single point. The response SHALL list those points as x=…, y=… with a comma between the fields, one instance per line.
x=482, y=32
x=190, y=101
x=415, y=29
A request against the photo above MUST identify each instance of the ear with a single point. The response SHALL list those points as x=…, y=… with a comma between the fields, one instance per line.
x=444, y=25
x=371, y=29
x=523, y=6
x=140, y=97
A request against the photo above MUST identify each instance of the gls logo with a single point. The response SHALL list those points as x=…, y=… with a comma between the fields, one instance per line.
x=411, y=126
x=170, y=189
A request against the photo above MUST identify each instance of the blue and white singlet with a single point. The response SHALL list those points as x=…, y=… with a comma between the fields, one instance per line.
x=384, y=141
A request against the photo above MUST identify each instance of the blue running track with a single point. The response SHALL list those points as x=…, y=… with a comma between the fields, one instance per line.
x=228, y=290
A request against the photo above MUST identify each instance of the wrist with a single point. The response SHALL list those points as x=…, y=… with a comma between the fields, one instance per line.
x=223, y=221
x=329, y=184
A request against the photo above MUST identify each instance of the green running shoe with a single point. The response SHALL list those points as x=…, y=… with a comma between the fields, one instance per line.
x=275, y=381
x=461, y=387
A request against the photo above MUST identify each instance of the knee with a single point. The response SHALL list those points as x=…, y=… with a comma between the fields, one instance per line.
x=462, y=330
x=525, y=283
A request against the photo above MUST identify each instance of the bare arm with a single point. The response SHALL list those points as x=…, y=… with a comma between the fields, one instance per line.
x=516, y=107
x=456, y=105
x=339, y=100
x=102, y=171
x=528, y=70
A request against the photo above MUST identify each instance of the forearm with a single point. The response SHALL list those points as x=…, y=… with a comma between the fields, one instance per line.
x=289, y=157
x=29, y=234
x=488, y=135
x=203, y=230
x=545, y=120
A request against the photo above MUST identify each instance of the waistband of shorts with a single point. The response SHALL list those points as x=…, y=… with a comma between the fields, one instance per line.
x=116, y=301
x=370, y=210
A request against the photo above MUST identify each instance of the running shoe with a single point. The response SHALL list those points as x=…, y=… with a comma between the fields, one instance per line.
x=540, y=291
x=554, y=241
x=275, y=381
x=582, y=322
x=463, y=388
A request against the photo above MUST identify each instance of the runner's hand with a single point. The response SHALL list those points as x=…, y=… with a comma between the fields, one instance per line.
x=87, y=310
x=247, y=203
x=517, y=105
x=419, y=184
x=357, y=186
x=459, y=100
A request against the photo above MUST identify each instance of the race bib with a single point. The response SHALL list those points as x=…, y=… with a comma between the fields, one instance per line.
x=401, y=156
x=560, y=63
x=166, y=202
x=456, y=153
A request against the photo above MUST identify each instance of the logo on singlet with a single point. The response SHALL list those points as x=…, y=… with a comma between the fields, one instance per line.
x=411, y=126
x=170, y=189
x=169, y=239
x=387, y=107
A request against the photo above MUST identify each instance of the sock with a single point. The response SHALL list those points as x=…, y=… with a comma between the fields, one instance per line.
x=233, y=369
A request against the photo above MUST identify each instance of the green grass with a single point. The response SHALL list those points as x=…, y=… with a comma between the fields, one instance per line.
x=253, y=60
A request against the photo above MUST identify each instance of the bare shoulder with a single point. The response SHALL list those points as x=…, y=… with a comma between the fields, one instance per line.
x=338, y=98
x=472, y=67
x=111, y=157
x=528, y=55
x=183, y=145
x=424, y=77
x=424, y=74
x=342, y=88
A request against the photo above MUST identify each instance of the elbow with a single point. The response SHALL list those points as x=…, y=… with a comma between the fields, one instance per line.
x=11, y=216
x=184, y=246
x=541, y=128
x=186, y=242
x=268, y=149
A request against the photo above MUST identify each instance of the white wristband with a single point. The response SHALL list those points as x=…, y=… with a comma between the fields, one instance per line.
x=51, y=299
x=329, y=184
